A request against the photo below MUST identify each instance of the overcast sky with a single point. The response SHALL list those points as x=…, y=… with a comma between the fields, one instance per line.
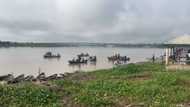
x=123, y=21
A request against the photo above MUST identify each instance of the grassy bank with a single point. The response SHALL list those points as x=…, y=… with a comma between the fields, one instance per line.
x=141, y=84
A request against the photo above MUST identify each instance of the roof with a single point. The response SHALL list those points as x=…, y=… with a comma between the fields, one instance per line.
x=184, y=39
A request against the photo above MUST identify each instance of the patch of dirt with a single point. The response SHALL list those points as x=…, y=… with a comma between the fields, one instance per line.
x=177, y=67
x=183, y=105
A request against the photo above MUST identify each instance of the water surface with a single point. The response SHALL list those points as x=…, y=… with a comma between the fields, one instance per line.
x=30, y=60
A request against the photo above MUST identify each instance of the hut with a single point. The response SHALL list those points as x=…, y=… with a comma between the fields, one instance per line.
x=177, y=52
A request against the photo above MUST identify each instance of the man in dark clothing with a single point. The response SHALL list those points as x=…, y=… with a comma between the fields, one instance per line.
x=153, y=58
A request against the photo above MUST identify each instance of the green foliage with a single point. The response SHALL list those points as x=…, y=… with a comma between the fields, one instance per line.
x=147, y=83
x=129, y=69
x=163, y=89
x=154, y=67
x=27, y=95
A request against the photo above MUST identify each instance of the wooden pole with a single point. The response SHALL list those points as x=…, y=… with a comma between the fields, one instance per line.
x=167, y=57
x=172, y=51
x=169, y=52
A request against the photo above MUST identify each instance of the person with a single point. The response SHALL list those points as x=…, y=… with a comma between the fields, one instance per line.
x=153, y=58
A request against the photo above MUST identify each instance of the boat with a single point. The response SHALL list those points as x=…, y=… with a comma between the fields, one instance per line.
x=92, y=59
x=6, y=77
x=41, y=76
x=81, y=61
x=117, y=57
x=83, y=55
x=50, y=55
x=18, y=79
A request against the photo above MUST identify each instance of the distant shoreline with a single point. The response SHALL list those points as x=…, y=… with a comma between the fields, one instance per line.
x=84, y=44
x=87, y=44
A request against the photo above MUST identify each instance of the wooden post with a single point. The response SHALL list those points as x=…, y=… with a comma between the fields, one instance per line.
x=169, y=52
x=172, y=51
x=167, y=57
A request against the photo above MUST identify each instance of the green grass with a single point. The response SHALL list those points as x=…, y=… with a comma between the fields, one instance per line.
x=149, y=84
x=27, y=95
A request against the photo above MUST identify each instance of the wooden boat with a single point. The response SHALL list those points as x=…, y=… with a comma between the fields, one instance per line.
x=92, y=59
x=78, y=61
x=118, y=58
x=124, y=58
x=83, y=55
x=18, y=79
x=29, y=78
x=6, y=77
x=50, y=55
x=41, y=76
x=52, y=77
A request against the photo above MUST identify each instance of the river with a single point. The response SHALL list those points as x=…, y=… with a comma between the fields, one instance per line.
x=30, y=61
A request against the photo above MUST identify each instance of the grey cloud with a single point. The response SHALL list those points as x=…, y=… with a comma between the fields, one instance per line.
x=94, y=21
x=24, y=25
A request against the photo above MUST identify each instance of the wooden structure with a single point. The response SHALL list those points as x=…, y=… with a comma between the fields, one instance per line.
x=177, y=54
